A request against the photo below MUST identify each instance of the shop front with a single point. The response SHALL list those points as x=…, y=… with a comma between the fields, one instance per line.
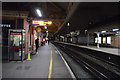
x=108, y=41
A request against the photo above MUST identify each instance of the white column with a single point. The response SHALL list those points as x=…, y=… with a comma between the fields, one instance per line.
x=98, y=35
x=87, y=39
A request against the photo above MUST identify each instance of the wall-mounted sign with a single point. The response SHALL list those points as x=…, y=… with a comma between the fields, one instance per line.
x=17, y=30
x=41, y=23
x=38, y=29
x=5, y=25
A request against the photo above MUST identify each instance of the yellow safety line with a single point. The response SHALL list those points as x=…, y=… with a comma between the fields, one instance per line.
x=50, y=67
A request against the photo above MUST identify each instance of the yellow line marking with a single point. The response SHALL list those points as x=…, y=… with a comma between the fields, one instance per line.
x=50, y=68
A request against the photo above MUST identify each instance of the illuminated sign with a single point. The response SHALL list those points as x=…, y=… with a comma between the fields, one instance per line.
x=41, y=23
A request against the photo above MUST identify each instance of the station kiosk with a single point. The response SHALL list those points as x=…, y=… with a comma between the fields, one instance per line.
x=16, y=45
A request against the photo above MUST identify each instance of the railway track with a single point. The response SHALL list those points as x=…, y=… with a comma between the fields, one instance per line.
x=98, y=67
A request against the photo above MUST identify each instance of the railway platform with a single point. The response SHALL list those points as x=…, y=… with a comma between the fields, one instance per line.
x=48, y=63
x=114, y=51
x=76, y=40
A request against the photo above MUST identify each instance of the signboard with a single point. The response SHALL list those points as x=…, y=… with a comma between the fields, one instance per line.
x=38, y=29
x=17, y=30
x=41, y=23
x=5, y=25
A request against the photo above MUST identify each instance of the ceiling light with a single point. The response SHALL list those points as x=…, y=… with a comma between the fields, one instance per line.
x=115, y=29
x=118, y=32
x=39, y=12
x=68, y=24
x=103, y=31
x=45, y=27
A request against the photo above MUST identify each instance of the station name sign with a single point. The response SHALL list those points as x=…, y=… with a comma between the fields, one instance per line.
x=41, y=23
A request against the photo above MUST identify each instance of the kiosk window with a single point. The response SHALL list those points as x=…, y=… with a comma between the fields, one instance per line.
x=108, y=40
x=104, y=40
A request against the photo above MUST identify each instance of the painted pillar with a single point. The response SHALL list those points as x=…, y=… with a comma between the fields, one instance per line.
x=88, y=40
x=98, y=44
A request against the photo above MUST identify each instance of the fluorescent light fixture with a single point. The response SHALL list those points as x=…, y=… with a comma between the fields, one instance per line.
x=46, y=38
x=118, y=32
x=103, y=31
x=68, y=24
x=45, y=27
x=46, y=31
x=39, y=12
x=115, y=29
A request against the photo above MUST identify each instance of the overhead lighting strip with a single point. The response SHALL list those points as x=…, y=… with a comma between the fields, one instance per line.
x=39, y=12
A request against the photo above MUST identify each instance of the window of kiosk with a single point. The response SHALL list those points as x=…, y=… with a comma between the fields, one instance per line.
x=104, y=40
x=108, y=40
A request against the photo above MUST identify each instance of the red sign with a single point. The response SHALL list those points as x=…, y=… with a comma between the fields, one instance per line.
x=15, y=33
x=15, y=47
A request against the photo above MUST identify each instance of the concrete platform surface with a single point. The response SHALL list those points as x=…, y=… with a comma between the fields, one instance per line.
x=46, y=64
x=114, y=51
